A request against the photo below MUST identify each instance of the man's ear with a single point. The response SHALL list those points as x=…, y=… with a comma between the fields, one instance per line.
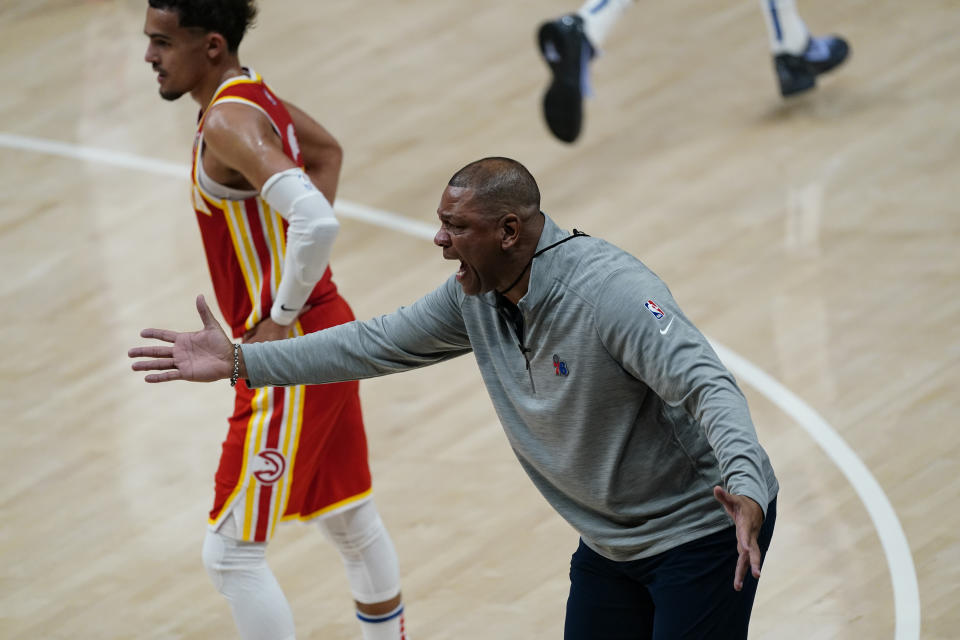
x=509, y=230
x=216, y=45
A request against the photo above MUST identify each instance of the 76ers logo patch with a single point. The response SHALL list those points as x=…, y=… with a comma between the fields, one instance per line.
x=269, y=466
x=654, y=309
x=559, y=366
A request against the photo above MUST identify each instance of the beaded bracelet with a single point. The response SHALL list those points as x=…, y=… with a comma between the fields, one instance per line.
x=236, y=365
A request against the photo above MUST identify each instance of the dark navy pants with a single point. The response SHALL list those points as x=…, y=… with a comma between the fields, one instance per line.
x=686, y=592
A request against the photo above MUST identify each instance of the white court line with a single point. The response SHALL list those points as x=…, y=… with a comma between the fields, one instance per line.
x=906, y=593
x=903, y=575
x=353, y=210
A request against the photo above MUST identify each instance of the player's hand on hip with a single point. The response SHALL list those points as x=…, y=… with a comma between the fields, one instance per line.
x=266, y=330
x=197, y=356
x=747, y=518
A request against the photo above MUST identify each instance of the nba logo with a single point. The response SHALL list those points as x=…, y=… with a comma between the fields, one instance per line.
x=654, y=309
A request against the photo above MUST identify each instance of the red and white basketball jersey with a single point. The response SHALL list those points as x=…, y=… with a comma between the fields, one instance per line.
x=244, y=238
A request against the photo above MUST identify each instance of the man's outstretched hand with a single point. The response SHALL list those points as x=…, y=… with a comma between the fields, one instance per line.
x=747, y=518
x=197, y=356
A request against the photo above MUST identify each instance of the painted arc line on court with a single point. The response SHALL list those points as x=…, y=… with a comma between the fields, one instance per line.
x=903, y=574
x=348, y=209
x=906, y=595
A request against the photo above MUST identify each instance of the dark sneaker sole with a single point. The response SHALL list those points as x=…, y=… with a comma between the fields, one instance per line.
x=563, y=100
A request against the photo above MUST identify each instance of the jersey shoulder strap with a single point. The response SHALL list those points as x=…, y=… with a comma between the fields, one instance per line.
x=252, y=91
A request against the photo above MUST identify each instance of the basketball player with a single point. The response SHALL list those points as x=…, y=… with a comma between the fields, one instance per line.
x=569, y=43
x=614, y=403
x=264, y=177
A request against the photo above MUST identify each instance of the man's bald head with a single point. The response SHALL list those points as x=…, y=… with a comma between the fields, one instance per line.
x=499, y=186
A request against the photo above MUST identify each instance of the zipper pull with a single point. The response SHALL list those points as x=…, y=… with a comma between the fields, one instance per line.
x=525, y=351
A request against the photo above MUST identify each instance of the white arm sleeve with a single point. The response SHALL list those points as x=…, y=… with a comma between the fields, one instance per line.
x=311, y=231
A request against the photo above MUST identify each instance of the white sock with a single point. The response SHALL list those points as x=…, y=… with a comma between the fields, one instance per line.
x=599, y=16
x=389, y=626
x=787, y=32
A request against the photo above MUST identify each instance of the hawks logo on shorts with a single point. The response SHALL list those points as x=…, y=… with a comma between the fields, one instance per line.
x=654, y=309
x=269, y=466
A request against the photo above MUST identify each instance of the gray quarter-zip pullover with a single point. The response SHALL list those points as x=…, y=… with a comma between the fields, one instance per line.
x=619, y=411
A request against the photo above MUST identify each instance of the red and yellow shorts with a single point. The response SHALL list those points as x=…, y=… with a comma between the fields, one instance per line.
x=292, y=452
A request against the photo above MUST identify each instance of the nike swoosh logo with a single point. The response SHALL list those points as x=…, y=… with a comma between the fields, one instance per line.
x=285, y=309
x=663, y=331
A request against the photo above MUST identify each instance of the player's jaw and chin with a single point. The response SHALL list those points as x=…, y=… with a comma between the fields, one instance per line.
x=166, y=92
x=170, y=96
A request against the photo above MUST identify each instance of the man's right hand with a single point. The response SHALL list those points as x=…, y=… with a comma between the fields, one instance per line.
x=196, y=356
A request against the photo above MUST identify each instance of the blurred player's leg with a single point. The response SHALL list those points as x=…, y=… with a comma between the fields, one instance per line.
x=799, y=57
x=568, y=44
x=372, y=569
x=599, y=16
x=240, y=572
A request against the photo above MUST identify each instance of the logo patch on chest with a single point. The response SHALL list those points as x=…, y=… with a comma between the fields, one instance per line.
x=559, y=366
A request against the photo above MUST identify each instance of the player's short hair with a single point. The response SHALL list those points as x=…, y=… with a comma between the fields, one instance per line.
x=500, y=185
x=229, y=18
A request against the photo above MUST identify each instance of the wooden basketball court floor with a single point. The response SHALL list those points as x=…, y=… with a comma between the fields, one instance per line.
x=816, y=241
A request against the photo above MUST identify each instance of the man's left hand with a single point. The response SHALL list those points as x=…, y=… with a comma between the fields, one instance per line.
x=747, y=518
